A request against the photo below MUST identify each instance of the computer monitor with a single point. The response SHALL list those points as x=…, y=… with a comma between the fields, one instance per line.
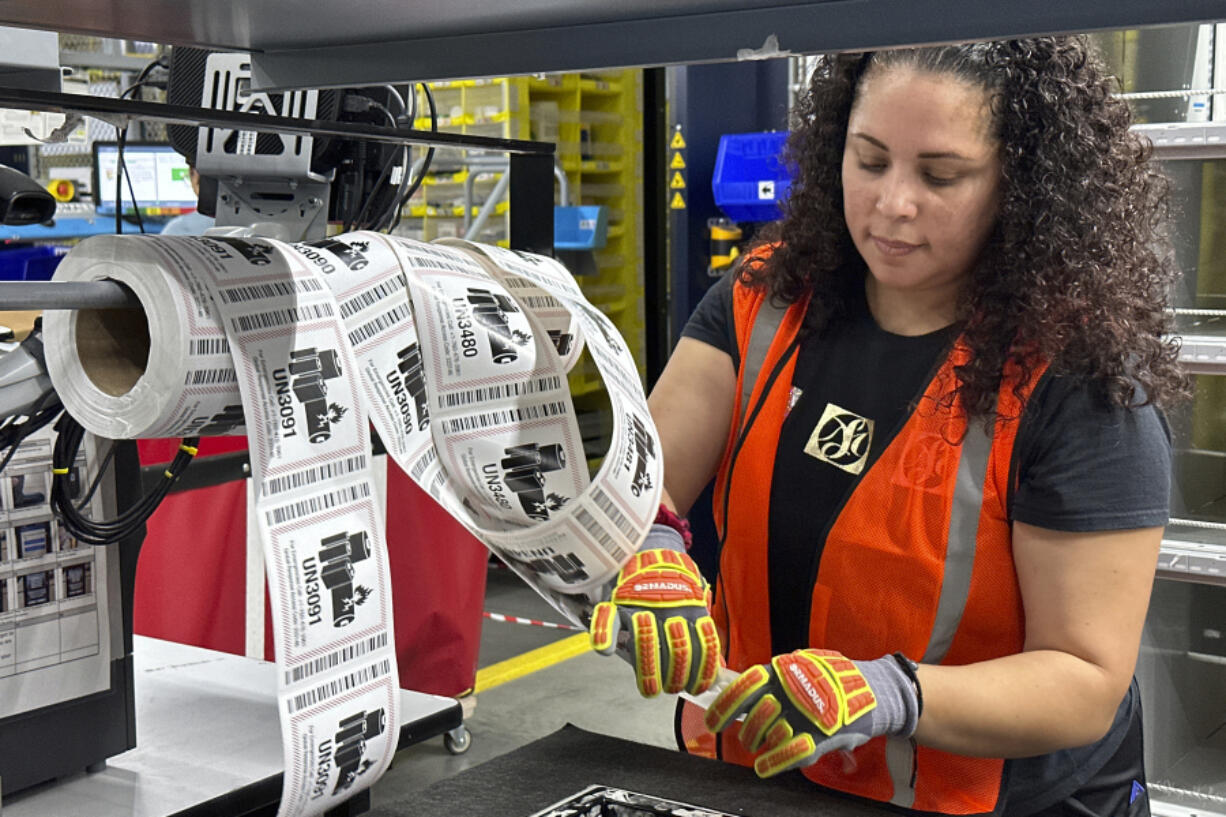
x=161, y=179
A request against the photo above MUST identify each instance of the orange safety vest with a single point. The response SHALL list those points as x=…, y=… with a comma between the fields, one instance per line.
x=918, y=560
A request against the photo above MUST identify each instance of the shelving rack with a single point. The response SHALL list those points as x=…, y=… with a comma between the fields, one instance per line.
x=596, y=122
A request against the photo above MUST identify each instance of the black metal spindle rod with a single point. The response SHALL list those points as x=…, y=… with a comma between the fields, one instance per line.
x=22, y=295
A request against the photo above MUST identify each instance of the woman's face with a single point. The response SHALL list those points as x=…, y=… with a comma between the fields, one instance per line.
x=921, y=174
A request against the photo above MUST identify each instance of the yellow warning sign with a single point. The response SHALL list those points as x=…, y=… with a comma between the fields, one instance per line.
x=678, y=163
x=678, y=202
x=678, y=182
x=678, y=142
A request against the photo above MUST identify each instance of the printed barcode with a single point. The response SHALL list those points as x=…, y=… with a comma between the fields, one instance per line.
x=372, y=296
x=431, y=258
x=316, y=504
x=512, y=282
x=503, y=417
x=613, y=512
x=211, y=377
x=334, y=659
x=380, y=324
x=601, y=535
x=436, y=484
x=541, y=301
x=499, y=392
x=424, y=462
x=210, y=346
x=275, y=289
x=283, y=317
x=338, y=686
x=526, y=272
x=310, y=476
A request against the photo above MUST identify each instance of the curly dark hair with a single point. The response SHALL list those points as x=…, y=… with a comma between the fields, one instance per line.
x=1078, y=268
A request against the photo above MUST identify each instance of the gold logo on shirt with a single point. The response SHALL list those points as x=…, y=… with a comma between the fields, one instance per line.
x=841, y=438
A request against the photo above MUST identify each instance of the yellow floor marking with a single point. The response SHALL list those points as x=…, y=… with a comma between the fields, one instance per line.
x=531, y=661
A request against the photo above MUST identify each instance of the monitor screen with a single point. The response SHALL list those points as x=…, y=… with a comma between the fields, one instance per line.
x=161, y=179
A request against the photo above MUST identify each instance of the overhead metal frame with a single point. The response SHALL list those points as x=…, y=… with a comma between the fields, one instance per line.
x=750, y=31
x=376, y=41
x=121, y=111
x=531, y=175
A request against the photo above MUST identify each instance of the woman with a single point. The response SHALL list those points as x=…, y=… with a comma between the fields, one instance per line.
x=932, y=400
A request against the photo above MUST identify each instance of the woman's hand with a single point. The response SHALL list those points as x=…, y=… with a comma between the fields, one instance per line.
x=809, y=702
x=661, y=602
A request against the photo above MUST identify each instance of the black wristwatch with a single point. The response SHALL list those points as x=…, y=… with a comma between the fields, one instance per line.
x=909, y=669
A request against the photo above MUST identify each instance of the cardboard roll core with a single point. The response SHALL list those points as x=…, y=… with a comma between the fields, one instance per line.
x=113, y=347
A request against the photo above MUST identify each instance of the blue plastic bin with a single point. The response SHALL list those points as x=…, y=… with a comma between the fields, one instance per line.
x=580, y=228
x=26, y=263
x=750, y=179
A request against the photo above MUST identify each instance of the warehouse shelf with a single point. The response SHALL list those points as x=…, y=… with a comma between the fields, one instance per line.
x=599, y=87
x=428, y=211
x=603, y=149
x=600, y=166
x=600, y=117
x=1186, y=140
x=596, y=124
x=557, y=83
x=460, y=176
x=468, y=83
x=1203, y=354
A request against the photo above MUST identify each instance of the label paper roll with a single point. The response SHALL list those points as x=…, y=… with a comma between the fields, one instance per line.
x=456, y=353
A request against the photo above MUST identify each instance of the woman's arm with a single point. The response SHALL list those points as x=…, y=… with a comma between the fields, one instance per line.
x=692, y=408
x=1085, y=597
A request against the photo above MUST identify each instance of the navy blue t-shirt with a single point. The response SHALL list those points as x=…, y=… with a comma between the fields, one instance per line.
x=1081, y=464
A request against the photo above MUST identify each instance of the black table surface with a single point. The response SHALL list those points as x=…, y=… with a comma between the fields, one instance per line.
x=557, y=766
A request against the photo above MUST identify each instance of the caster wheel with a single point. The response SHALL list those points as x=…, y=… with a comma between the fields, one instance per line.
x=458, y=740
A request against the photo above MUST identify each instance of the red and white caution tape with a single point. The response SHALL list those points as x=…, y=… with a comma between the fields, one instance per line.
x=530, y=621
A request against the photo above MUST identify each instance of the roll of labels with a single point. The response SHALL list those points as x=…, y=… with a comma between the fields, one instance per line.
x=456, y=353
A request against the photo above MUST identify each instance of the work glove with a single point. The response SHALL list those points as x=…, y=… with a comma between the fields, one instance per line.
x=660, y=606
x=809, y=702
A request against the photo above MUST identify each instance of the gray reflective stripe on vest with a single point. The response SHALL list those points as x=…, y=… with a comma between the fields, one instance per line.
x=761, y=335
x=955, y=585
x=900, y=760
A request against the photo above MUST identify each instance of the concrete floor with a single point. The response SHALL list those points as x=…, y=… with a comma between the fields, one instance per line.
x=589, y=690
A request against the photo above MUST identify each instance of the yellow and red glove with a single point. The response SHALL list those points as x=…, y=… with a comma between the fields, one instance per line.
x=662, y=602
x=810, y=702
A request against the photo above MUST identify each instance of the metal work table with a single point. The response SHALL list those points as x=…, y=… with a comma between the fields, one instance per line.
x=545, y=771
x=208, y=741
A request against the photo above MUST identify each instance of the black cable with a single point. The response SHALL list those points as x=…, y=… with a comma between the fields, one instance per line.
x=406, y=118
x=425, y=165
x=379, y=106
x=387, y=217
x=105, y=532
x=389, y=212
x=121, y=135
x=351, y=221
x=360, y=175
x=123, y=171
x=93, y=486
x=359, y=223
x=121, y=139
x=40, y=414
x=142, y=77
x=425, y=168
